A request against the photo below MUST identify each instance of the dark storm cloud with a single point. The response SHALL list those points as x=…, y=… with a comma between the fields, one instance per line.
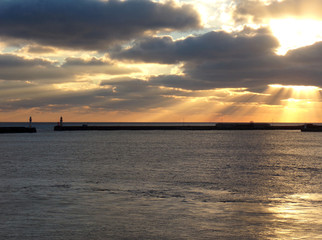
x=90, y=24
x=258, y=10
x=210, y=46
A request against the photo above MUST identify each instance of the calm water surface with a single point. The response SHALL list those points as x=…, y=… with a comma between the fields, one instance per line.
x=161, y=185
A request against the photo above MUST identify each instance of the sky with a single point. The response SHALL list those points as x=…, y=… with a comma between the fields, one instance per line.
x=161, y=61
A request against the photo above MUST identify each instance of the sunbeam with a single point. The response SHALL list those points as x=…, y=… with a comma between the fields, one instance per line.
x=297, y=103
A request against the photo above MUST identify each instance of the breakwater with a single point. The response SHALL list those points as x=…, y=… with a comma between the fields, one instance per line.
x=18, y=130
x=311, y=128
x=219, y=126
x=134, y=128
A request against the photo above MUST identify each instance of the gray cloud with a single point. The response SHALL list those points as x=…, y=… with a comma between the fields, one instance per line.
x=94, y=66
x=72, y=62
x=225, y=60
x=90, y=24
x=296, y=68
x=18, y=68
x=9, y=61
x=14, y=67
x=40, y=49
x=308, y=54
x=179, y=81
x=210, y=46
x=118, y=94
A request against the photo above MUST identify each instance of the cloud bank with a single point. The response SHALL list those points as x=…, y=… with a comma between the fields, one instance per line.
x=213, y=45
x=224, y=60
x=90, y=24
x=13, y=67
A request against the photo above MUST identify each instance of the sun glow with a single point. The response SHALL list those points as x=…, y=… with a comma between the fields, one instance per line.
x=297, y=103
x=295, y=33
x=295, y=87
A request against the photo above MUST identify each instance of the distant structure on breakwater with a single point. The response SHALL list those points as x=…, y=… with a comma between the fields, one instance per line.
x=311, y=128
x=29, y=129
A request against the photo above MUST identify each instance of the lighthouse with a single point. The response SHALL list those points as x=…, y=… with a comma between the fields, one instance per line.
x=30, y=122
x=61, y=121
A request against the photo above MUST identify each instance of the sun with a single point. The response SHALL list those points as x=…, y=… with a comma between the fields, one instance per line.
x=294, y=33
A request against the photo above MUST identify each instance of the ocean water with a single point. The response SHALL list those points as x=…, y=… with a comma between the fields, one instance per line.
x=160, y=185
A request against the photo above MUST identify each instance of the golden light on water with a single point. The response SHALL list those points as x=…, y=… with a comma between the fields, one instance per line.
x=297, y=211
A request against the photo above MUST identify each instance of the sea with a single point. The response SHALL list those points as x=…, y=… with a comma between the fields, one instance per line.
x=90, y=185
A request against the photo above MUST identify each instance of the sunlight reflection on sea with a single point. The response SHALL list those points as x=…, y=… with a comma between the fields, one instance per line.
x=161, y=185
